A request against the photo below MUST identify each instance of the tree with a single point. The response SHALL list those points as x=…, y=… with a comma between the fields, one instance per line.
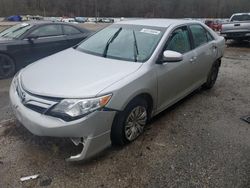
x=128, y=8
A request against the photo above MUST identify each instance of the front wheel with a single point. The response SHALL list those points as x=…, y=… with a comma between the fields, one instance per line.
x=7, y=66
x=212, y=77
x=129, y=124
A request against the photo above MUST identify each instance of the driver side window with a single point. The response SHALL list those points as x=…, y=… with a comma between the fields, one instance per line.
x=47, y=31
x=179, y=41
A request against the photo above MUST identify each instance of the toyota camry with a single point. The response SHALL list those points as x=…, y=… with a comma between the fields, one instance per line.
x=105, y=90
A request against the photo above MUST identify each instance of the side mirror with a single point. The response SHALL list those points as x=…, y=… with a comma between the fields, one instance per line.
x=172, y=56
x=31, y=38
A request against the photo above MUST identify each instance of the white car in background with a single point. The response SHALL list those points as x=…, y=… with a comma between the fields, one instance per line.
x=69, y=20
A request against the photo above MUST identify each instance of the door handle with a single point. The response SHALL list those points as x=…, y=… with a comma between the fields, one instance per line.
x=193, y=59
x=214, y=49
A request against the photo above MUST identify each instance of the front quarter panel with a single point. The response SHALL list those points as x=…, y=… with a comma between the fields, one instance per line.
x=141, y=82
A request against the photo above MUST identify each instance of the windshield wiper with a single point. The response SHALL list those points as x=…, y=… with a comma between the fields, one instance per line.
x=6, y=35
x=136, y=51
x=112, y=38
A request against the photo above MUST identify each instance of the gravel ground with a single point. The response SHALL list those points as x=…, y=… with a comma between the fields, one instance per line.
x=199, y=142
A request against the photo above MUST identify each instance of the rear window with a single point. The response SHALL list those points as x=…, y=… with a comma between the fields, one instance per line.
x=69, y=30
x=243, y=17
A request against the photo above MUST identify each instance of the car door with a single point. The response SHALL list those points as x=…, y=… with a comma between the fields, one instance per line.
x=174, y=77
x=46, y=40
x=205, y=53
x=74, y=35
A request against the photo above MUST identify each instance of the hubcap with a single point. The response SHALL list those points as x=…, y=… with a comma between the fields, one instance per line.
x=135, y=123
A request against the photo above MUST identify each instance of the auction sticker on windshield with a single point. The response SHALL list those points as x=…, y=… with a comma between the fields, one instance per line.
x=150, y=31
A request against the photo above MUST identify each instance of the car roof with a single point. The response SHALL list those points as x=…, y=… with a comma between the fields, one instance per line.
x=239, y=14
x=157, y=22
x=35, y=22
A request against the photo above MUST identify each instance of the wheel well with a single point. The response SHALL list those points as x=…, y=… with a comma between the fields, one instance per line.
x=218, y=62
x=12, y=60
x=10, y=56
x=113, y=135
x=148, y=98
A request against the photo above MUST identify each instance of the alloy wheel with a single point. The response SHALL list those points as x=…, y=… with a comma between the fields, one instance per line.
x=135, y=123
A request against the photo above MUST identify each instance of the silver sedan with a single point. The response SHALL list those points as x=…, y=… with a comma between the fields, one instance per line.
x=105, y=89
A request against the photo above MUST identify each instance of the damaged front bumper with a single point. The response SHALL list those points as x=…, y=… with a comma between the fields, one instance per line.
x=93, y=130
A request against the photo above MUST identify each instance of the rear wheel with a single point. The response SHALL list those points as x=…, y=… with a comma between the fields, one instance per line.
x=129, y=124
x=212, y=77
x=7, y=66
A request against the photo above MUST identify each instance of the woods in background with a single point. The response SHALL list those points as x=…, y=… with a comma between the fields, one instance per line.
x=125, y=8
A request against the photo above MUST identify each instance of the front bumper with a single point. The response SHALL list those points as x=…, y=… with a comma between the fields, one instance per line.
x=94, y=128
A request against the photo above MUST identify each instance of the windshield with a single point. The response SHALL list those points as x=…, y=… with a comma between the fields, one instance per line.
x=244, y=17
x=124, y=42
x=15, y=31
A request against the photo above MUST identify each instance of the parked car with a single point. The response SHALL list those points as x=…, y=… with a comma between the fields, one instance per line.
x=238, y=27
x=107, y=88
x=214, y=24
x=70, y=20
x=106, y=20
x=15, y=18
x=25, y=43
x=37, y=17
x=80, y=19
x=92, y=20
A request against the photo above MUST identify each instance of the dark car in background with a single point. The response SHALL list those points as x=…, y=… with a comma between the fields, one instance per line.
x=106, y=20
x=25, y=43
x=14, y=18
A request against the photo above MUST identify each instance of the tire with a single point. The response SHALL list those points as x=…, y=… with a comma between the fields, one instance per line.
x=212, y=77
x=7, y=66
x=125, y=128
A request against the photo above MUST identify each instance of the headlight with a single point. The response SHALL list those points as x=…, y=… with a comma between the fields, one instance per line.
x=71, y=109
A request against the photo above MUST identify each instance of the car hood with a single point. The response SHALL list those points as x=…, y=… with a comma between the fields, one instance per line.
x=74, y=74
x=5, y=40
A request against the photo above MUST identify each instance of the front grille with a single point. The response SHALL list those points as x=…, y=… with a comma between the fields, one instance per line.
x=36, y=103
x=38, y=109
